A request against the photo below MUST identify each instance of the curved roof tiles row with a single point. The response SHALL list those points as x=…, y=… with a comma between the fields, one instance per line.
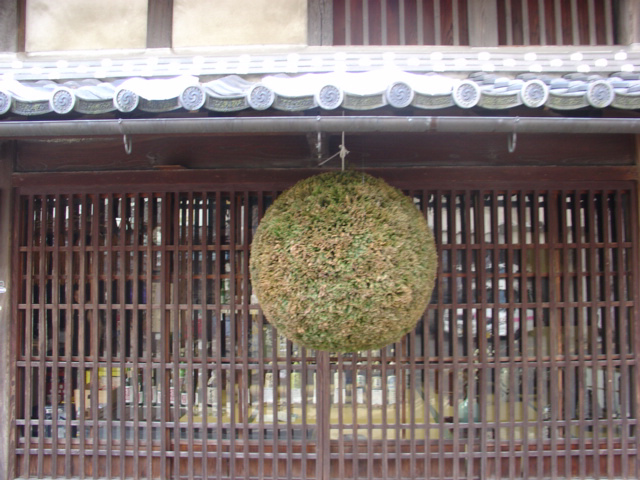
x=328, y=91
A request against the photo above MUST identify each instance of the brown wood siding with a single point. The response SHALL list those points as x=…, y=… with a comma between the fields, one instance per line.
x=556, y=22
x=142, y=352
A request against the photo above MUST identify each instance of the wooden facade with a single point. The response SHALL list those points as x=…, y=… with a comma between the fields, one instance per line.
x=133, y=347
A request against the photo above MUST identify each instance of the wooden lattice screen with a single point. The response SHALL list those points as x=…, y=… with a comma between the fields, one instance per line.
x=449, y=22
x=143, y=353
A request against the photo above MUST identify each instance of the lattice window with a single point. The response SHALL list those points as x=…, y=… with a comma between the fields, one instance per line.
x=142, y=351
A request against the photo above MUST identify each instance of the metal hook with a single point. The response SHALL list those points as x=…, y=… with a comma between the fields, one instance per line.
x=511, y=141
x=127, y=144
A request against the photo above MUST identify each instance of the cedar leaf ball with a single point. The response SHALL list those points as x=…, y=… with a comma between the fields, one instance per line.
x=343, y=262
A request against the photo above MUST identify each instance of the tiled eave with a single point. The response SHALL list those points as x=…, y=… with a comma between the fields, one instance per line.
x=326, y=79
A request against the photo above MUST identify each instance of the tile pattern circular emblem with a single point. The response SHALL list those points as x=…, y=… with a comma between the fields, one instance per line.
x=260, y=97
x=192, y=98
x=62, y=100
x=330, y=97
x=466, y=94
x=125, y=100
x=399, y=95
x=534, y=93
x=600, y=94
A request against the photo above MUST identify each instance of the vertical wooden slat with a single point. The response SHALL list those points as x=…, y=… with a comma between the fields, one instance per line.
x=524, y=342
x=122, y=330
x=54, y=334
x=468, y=330
x=456, y=22
x=511, y=327
x=608, y=22
x=565, y=279
x=148, y=310
x=12, y=26
x=623, y=297
x=82, y=332
x=179, y=224
x=384, y=24
x=439, y=236
x=261, y=373
x=437, y=27
x=287, y=389
x=581, y=240
x=136, y=354
x=426, y=208
x=495, y=331
x=526, y=30
x=452, y=226
x=220, y=332
x=555, y=334
x=559, y=31
x=232, y=330
x=543, y=22
x=636, y=320
x=205, y=241
x=593, y=329
x=420, y=22
x=28, y=369
x=482, y=327
x=192, y=225
x=244, y=244
x=41, y=335
x=608, y=323
x=108, y=325
x=95, y=332
x=159, y=23
x=413, y=451
x=592, y=22
x=539, y=325
x=369, y=405
x=575, y=27
x=355, y=461
x=401, y=24
x=68, y=338
x=509, y=22
x=365, y=22
x=483, y=23
x=347, y=22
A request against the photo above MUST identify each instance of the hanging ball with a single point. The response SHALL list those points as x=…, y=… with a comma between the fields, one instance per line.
x=343, y=262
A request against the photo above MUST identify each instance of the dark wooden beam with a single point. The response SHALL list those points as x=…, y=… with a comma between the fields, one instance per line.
x=7, y=322
x=12, y=25
x=511, y=177
x=483, y=23
x=628, y=22
x=320, y=22
x=159, y=23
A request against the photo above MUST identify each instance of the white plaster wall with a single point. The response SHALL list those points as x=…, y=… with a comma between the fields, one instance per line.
x=85, y=24
x=198, y=23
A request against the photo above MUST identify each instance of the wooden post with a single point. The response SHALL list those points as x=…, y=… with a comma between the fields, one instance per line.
x=12, y=32
x=7, y=345
x=483, y=23
x=320, y=22
x=159, y=23
x=628, y=22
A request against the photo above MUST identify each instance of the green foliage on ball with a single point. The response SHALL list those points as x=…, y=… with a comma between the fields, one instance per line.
x=343, y=262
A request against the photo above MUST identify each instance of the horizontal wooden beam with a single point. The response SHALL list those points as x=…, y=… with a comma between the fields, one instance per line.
x=445, y=178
